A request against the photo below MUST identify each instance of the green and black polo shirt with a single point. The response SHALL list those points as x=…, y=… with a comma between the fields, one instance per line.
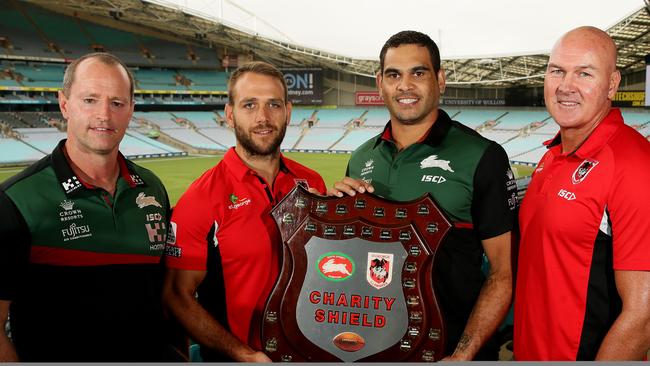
x=470, y=178
x=81, y=267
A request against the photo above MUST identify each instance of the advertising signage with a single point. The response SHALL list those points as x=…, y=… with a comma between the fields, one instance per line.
x=368, y=98
x=305, y=86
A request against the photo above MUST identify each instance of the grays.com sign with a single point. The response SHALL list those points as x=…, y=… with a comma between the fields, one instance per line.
x=305, y=86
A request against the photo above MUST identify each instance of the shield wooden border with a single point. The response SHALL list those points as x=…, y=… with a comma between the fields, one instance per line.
x=301, y=216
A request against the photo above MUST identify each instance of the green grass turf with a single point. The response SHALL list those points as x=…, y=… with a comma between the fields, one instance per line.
x=178, y=173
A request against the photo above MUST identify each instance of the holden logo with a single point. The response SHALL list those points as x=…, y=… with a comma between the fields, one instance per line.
x=335, y=266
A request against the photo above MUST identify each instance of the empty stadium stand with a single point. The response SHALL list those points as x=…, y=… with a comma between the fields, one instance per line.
x=291, y=137
x=476, y=117
x=168, y=73
x=521, y=132
x=355, y=138
x=336, y=117
x=377, y=116
x=298, y=115
x=16, y=151
x=33, y=31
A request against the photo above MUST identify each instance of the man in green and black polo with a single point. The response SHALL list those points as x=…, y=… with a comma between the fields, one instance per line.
x=421, y=151
x=82, y=234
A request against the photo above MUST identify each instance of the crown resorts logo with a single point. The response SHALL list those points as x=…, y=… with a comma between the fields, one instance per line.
x=368, y=167
x=67, y=205
x=69, y=212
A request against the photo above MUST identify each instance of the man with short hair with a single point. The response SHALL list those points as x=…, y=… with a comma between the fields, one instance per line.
x=82, y=235
x=583, y=286
x=421, y=151
x=225, y=243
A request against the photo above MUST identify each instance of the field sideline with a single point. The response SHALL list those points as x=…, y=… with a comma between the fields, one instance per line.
x=178, y=173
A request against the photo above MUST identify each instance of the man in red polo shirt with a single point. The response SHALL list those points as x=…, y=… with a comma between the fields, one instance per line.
x=583, y=287
x=225, y=244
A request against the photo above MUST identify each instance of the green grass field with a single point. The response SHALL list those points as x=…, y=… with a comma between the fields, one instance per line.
x=178, y=173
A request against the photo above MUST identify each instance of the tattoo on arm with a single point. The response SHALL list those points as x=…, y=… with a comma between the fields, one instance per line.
x=463, y=342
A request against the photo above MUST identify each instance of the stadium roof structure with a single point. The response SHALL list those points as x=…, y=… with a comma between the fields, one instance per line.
x=632, y=36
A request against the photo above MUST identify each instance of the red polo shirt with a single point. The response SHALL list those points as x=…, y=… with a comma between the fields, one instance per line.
x=584, y=215
x=222, y=225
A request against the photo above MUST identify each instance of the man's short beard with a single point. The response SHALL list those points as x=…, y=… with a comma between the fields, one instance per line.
x=254, y=150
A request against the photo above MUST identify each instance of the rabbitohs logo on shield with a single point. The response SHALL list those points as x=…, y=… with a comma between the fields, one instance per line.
x=581, y=172
x=380, y=269
x=335, y=266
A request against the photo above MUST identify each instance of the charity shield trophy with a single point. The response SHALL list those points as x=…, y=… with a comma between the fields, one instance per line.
x=355, y=283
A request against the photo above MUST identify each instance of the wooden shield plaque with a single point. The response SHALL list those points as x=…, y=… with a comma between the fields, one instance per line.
x=355, y=283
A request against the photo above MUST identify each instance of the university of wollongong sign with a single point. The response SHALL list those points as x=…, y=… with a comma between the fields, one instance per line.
x=356, y=282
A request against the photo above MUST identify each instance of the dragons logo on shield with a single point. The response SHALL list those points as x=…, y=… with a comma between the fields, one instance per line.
x=379, y=269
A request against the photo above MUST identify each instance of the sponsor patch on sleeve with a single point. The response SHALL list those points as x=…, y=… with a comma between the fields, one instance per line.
x=171, y=234
x=173, y=251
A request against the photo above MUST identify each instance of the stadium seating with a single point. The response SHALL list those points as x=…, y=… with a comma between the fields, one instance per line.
x=475, y=117
x=320, y=139
x=336, y=117
x=132, y=146
x=499, y=136
x=532, y=157
x=194, y=138
x=523, y=144
x=149, y=79
x=199, y=119
x=300, y=114
x=159, y=147
x=291, y=137
x=520, y=119
x=14, y=120
x=42, y=139
x=162, y=119
x=636, y=118
x=14, y=151
x=357, y=137
x=376, y=116
x=550, y=127
x=206, y=79
x=223, y=136
x=34, y=31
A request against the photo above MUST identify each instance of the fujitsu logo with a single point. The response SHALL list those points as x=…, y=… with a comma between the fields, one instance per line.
x=75, y=231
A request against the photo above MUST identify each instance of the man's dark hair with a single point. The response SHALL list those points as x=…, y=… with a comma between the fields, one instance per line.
x=411, y=37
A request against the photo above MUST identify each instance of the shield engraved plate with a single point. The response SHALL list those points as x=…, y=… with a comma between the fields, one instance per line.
x=355, y=283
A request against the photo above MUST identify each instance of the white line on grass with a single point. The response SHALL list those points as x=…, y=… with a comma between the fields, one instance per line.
x=172, y=159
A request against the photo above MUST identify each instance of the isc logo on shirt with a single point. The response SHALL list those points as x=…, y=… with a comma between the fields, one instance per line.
x=569, y=196
x=433, y=179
